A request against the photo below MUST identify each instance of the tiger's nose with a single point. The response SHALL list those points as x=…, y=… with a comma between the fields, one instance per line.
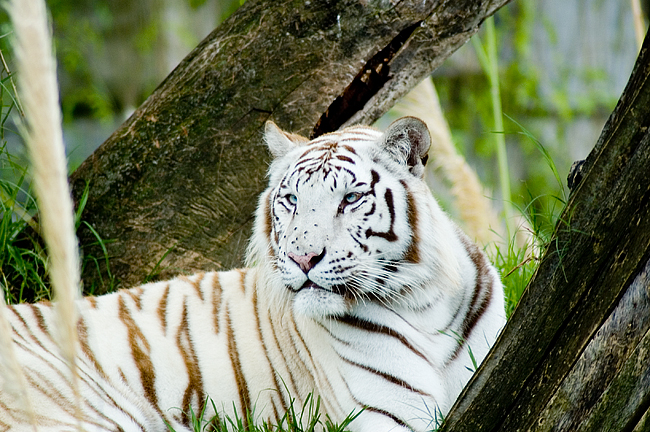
x=307, y=262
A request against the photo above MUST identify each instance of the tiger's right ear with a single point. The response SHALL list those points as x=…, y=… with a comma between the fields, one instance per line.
x=279, y=142
x=408, y=140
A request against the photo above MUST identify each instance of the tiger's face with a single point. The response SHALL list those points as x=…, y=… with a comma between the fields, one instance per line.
x=340, y=216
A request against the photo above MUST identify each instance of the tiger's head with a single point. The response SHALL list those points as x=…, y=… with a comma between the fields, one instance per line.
x=343, y=219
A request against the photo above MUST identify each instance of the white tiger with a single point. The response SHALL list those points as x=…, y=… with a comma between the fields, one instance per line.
x=360, y=291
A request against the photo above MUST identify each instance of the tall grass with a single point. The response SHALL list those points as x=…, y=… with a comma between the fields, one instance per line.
x=487, y=56
x=22, y=258
x=528, y=229
x=24, y=266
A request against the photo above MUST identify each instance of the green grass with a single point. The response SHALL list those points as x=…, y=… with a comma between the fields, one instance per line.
x=23, y=261
x=519, y=258
x=308, y=419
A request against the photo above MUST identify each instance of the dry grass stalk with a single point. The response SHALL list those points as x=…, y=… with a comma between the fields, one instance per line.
x=40, y=100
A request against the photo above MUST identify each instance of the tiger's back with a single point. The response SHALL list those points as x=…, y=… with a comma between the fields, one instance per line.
x=147, y=353
x=360, y=291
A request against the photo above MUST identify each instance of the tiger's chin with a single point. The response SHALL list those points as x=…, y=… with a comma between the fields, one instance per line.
x=316, y=302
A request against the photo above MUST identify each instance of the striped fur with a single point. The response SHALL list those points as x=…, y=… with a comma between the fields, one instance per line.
x=359, y=291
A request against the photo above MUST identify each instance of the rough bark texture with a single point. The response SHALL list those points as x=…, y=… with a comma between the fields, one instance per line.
x=575, y=356
x=175, y=187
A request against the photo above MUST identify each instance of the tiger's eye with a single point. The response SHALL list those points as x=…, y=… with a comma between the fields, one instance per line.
x=352, y=197
x=292, y=199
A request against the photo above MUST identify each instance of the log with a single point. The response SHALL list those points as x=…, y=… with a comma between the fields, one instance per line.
x=575, y=354
x=175, y=187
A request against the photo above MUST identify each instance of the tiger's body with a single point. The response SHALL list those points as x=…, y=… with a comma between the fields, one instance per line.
x=360, y=291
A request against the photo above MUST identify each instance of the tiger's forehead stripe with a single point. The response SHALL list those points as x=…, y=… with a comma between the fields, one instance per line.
x=329, y=151
x=325, y=150
x=353, y=134
x=327, y=158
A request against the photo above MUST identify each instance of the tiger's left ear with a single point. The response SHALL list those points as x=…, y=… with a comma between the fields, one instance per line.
x=408, y=140
x=279, y=142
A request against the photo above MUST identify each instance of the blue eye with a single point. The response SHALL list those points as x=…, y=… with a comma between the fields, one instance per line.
x=352, y=197
x=292, y=199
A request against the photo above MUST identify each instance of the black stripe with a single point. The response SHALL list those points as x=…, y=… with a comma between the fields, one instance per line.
x=390, y=234
x=268, y=217
x=378, y=328
x=372, y=209
x=345, y=158
x=351, y=173
x=387, y=414
x=482, y=290
x=412, y=254
x=361, y=245
x=375, y=180
x=386, y=376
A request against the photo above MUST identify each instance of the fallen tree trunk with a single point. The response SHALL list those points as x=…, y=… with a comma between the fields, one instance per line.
x=575, y=355
x=175, y=187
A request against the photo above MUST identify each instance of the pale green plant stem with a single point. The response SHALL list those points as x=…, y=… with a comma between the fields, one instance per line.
x=489, y=62
x=19, y=211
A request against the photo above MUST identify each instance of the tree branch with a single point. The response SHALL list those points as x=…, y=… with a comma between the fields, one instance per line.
x=179, y=180
x=574, y=356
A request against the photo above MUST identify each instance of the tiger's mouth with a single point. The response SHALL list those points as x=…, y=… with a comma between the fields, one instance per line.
x=336, y=289
x=309, y=284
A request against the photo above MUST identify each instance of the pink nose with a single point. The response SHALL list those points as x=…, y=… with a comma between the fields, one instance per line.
x=306, y=262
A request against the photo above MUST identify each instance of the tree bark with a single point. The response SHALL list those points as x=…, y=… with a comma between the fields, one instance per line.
x=575, y=355
x=175, y=187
